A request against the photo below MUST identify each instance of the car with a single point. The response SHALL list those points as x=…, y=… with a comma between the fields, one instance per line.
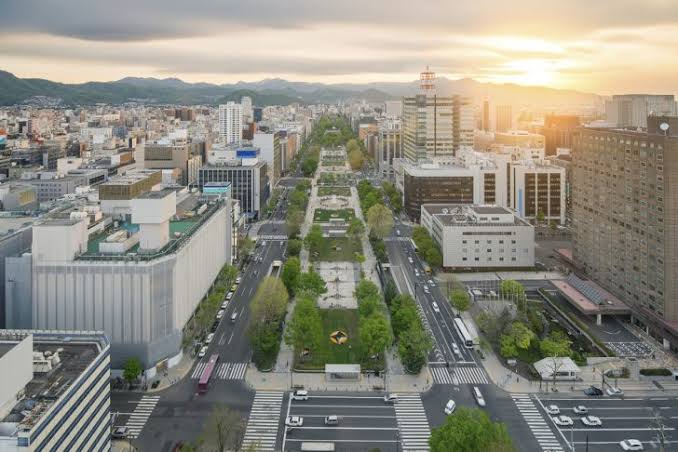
x=416, y=273
x=580, y=409
x=221, y=313
x=614, y=392
x=425, y=288
x=224, y=305
x=234, y=317
x=563, y=421
x=593, y=391
x=209, y=338
x=202, y=352
x=238, y=279
x=229, y=295
x=455, y=349
x=450, y=407
x=478, y=396
x=391, y=398
x=398, y=231
x=294, y=421
x=119, y=433
x=631, y=444
x=234, y=287
x=332, y=420
x=300, y=394
x=552, y=409
x=431, y=283
x=426, y=291
x=591, y=421
x=410, y=260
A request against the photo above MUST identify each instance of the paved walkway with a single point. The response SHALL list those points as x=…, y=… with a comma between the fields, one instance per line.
x=173, y=374
x=496, y=276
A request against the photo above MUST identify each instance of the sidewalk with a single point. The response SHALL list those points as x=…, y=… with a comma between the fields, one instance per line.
x=174, y=374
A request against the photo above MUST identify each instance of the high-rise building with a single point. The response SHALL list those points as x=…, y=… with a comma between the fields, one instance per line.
x=247, y=112
x=625, y=219
x=504, y=121
x=271, y=153
x=558, y=131
x=389, y=146
x=435, y=126
x=486, y=116
x=230, y=123
x=632, y=110
x=248, y=179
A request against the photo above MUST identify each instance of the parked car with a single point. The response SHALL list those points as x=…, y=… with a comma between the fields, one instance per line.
x=332, y=420
x=391, y=398
x=202, y=352
x=580, y=409
x=294, y=421
x=552, y=410
x=221, y=313
x=209, y=338
x=591, y=421
x=431, y=283
x=563, y=421
x=631, y=444
x=238, y=279
x=229, y=295
x=614, y=392
x=435, y=307
x=300, y=394
x=478, y=396
x=450, y=407
x=224, y=305
x=119, y=433
x=593, y=391
x=234, y=287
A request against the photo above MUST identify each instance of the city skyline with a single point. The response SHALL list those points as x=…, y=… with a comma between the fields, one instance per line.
x=578, y=46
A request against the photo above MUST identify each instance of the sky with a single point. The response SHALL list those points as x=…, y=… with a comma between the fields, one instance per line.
x=601, y=46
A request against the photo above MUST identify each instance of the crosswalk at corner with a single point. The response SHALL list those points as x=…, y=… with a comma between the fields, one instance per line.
x=224, y=371
x=535, y=421
x=262, y=426
x=459, y=375
x=136, y=422
x=412, y=423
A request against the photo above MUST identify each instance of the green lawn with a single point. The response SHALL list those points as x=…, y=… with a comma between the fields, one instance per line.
x=324, y=215
x=345, y=320
x=337, y=191
x=337, y=249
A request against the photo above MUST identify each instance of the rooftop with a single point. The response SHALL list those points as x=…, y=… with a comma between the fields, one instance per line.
x=588, y=297
x=466, y=214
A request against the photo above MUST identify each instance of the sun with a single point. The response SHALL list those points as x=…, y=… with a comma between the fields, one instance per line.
x=531, y=72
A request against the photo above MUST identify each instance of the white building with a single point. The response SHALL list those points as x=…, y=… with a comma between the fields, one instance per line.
x=270, y=152
x=230, y=123
x=632, y=110
x=247, y=110
x=55, y=391
x=139, y=280
x=563, y=368
x=472, y=236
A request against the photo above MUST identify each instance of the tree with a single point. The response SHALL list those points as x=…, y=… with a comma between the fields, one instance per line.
x=433, y=257
x=404, y=314
x=555, y=345
x=131, y=369
x=293, y=221
x=366, y=288
x=375, y=334
x=224, y=431
x=312, y=281
x=305, y=328
x=245, y=246
x=513, y=290
x=356, y=159
x=470, y=430
x=368, y=305
x=390, y=291
x=291, y=274
x=294, y=247
x=379, y=220
x=356, y=228
x=314, y=238
x=461, y=300
x=352, y=145
x=309, y=166
x=298, y=199
x=396, y=202
x=228, y=275
x=517, y=337
x=414, y=345
x=270, y=301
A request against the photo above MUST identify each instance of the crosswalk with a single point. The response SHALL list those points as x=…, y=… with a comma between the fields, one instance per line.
x=224, y=371
x=459, y=375
x=271, y=237
x=540, y=429
x=262, y=425
x=140, y=415
x=412, y=423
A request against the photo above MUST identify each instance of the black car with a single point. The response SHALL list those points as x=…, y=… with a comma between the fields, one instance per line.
x=593, y=391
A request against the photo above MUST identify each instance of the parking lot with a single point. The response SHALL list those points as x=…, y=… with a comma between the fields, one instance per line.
x=365, y=421
x=628, y=418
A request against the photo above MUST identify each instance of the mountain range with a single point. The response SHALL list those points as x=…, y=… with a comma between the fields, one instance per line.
x=14, y=90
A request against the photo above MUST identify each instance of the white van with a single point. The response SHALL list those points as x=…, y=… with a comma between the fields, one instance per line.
x=478, y=396
x=300, y=394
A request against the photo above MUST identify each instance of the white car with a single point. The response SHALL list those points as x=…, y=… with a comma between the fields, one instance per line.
x=209, y=338
x=614, y=392
x=552, y=410
x=450, y=407
x=224, y=305
x=563, y=421
x=455, y=349
x=431, y=283
x=592, y=421
x=478, y=396
x=425, y=288
x=410, y=260
x=390, y=398
x=202, y=352
x=294, y=421
x=631, y=444
x=300, y=394
x=221, y=313
x=580, y=409
x=237, y=280
x=435, y=307
x=229, y=296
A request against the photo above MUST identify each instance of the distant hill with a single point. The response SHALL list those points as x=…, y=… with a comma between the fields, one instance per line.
x=14, y=90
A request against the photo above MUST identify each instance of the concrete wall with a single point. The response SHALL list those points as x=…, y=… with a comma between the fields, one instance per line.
x=18, y=280
x=12, y=245
x=17, y=371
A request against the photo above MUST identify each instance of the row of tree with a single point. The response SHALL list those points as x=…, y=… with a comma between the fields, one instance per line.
x=374, y=327
x=427, y=248
x=394, y=196
x=379, y=217
x=413, y=341
x=355, y=153
x=296, y=211
x=470, y=430
x=268, y=307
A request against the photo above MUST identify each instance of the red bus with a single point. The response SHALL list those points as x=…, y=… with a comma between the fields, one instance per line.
x=204, y=382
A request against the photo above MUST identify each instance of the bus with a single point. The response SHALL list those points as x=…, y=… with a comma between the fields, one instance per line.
x=203, y=384
x=463, y=332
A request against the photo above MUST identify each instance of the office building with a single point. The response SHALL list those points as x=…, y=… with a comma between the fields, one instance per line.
x=558, y=131
x=52, y=186
x=230, y=123
x=472, y=236
x=537, y=191
x=486, y=116
x=138, y=280
x=55, y=392
x=249, y=182
x=18, y=197
x=115, y=196
x=271, y=152
x=504, y=121
x=247, y=112
x=389, y=146
x=632, y=110
x=625, y=219
x=393, y=109
x=176, y=158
